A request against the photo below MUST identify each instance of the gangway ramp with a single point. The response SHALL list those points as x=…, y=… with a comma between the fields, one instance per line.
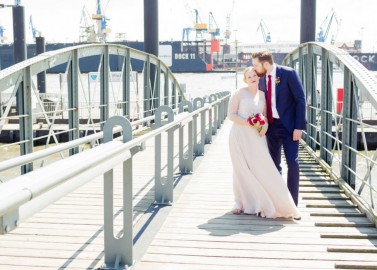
x=199, y=231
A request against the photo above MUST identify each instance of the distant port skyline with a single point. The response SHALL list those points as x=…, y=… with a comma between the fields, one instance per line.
x=59, y=21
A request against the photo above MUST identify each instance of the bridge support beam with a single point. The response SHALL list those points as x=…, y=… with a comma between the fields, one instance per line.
x=308, y=14
x=127, y=85
x=104, y=85
x=24, y=89
x=73, y=100
x=326, y=106
x=349, y=133
x=310, y=86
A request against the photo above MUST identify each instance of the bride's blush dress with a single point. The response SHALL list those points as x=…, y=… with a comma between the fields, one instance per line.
x=257, y=185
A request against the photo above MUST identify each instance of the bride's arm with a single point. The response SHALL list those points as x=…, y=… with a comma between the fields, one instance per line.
x=233, y=110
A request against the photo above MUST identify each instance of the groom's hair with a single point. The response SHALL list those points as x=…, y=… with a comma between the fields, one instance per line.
x=264, y=56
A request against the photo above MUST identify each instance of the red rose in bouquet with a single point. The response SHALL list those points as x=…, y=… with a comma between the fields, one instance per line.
x=257, y=121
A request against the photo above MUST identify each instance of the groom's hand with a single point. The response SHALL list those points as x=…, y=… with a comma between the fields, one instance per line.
x=297, y=133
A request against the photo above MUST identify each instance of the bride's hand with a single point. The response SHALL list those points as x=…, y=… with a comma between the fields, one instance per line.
x=263, y=131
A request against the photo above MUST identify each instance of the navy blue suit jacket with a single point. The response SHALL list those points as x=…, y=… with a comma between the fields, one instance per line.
x=290, y=98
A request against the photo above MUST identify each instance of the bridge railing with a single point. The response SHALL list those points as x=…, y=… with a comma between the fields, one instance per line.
x=27, y=194
x=77, y=104
x=341, y=112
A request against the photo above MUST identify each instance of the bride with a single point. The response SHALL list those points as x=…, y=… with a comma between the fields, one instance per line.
x=257, y=185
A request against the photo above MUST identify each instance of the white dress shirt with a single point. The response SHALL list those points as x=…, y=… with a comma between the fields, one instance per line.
x=275, y=113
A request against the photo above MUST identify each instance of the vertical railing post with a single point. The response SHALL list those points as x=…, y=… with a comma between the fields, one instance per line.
x=174, y=95
x=26, y=119
x=163, y=193
x=301, y=68
x=127, y=85
x=301, y=72
x=349, y=132
x=310, y=90
x=292, y=65
x=157, y=87
x=219, y=111
x=118, y=251
x=223, y=108
x=209, y=132
x=326, y=108
x=166, y=88
x=104, y=87
x=186, y=161
x=180, y=97
x=199, y=146
x=147, y=88
x=213, y=98
x=73, y=100
x=225, y=105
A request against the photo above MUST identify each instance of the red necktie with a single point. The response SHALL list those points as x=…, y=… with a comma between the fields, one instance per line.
x=269, y=107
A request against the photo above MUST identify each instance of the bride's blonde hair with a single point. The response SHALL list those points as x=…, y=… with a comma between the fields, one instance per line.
x=246, y=71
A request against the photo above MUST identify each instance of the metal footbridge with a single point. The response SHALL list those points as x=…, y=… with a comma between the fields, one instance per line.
x=132, y=175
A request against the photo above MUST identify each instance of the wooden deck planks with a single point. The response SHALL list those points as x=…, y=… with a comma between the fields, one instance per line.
x=69, y=233
x=201, y=233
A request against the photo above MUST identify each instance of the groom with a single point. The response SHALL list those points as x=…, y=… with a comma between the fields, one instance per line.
x=285, y=99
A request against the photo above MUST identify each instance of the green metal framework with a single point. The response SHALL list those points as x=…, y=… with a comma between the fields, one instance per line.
x=82, y=103
x=335, y=127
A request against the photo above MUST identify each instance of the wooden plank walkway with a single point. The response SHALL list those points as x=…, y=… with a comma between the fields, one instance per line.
x=199, y=232
x=69, y=233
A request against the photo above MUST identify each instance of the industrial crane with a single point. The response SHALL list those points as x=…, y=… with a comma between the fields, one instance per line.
x=34, y=31
x=324, y=29
x=228, y=31
x=265, y=32
x=87, y=27
x=199, y=26
x=213, y=29
x=101, y=19
x=186, y=33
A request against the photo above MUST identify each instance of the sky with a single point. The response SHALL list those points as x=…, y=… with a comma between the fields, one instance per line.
x=59, y=21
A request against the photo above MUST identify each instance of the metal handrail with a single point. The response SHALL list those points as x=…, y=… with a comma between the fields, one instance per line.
x=331, y=135
x=100, y=160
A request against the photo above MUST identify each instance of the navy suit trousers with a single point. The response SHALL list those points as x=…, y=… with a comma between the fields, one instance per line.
x=278, y=136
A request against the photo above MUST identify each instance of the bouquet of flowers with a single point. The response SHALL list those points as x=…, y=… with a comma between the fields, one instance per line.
x=257, y=121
